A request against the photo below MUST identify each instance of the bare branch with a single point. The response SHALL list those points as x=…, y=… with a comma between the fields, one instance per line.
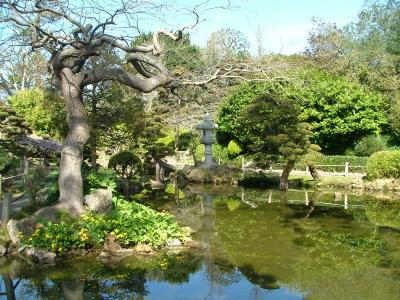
x=132, y=80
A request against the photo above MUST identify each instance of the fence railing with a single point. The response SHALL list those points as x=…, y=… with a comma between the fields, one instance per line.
x=341, y=169
x=344, y=169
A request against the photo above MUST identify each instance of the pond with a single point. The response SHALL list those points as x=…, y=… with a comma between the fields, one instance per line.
x=253, y=244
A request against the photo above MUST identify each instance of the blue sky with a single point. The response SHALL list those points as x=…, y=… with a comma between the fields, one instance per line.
x=285, y=23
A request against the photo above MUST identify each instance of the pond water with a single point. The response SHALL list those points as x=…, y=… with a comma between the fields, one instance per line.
x=253, y=244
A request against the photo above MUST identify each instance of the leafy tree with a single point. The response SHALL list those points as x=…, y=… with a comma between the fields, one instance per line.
x=227, y=44
x=155, y=142
x=125, y=163
x=115, y=116
x=270, y=127
x=12, y=129
x=339, y=112
x=43, y=110
x=364, y=51
x=65, y=33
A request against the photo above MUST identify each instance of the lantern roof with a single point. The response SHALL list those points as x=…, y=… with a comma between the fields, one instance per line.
x=207, y=123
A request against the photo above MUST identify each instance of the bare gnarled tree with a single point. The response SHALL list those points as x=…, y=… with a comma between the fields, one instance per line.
x=73, y=32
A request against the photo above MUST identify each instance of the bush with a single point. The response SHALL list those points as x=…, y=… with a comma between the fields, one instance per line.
x=384, y=164
x=5, y=159
x=102, y=179
x=125, y=164
x=131, y=223
x=370, y=144
x=234, y=149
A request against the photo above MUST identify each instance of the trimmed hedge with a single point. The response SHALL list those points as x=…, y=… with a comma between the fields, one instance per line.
x=384, y=164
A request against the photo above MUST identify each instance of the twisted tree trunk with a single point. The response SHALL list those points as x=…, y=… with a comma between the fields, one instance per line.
x=284, y=182
x=314, y=172
x=70, y=179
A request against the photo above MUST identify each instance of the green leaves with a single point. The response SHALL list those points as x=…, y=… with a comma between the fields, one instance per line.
x=131, y=223
x=339, y=111
x=43, y=110
x=384, y=164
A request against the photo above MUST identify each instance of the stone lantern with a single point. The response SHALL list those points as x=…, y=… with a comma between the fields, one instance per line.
x=207, y=128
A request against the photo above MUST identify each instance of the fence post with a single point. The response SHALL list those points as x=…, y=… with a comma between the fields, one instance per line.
x=346, y=168
x=346, y=201
x=307, y=170
x=219, y=160
x=5, y=214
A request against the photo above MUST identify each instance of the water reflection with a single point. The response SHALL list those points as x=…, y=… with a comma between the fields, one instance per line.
x=255, y=244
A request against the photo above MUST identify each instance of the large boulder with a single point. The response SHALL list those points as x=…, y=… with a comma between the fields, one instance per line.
x=216, y=174
x=100, y=201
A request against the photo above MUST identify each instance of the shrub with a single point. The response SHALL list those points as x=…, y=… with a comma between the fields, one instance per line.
x=370, y=144
x=384, y=164
x=131, y=223
x=234, y=149
x=125, y=164
x=5, y=159
x=102, y=179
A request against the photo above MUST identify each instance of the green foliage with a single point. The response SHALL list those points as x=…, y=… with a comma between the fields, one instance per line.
x=265, y=120
x=339, y=111
x=341, y=160
x=58, y=238
x=53, y=192
x=173, y=190
x=125, y=163
x=370, y=144
x=131, y=223
x=12, y=128
x=185, y=139
x=34, y=183
x=101, y=179
x=5, y=160
x=234, y=149
x=44, y=111
x=384, y=164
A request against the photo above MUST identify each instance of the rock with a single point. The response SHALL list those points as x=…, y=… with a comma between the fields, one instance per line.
x=27, y=226
x=111, y=245
x=174, y=243
x=49, y=213
x=142, y=248
x=3, y=250
x=215, y=174
x=100, y=201
x=13, y=231
x=42, y=256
